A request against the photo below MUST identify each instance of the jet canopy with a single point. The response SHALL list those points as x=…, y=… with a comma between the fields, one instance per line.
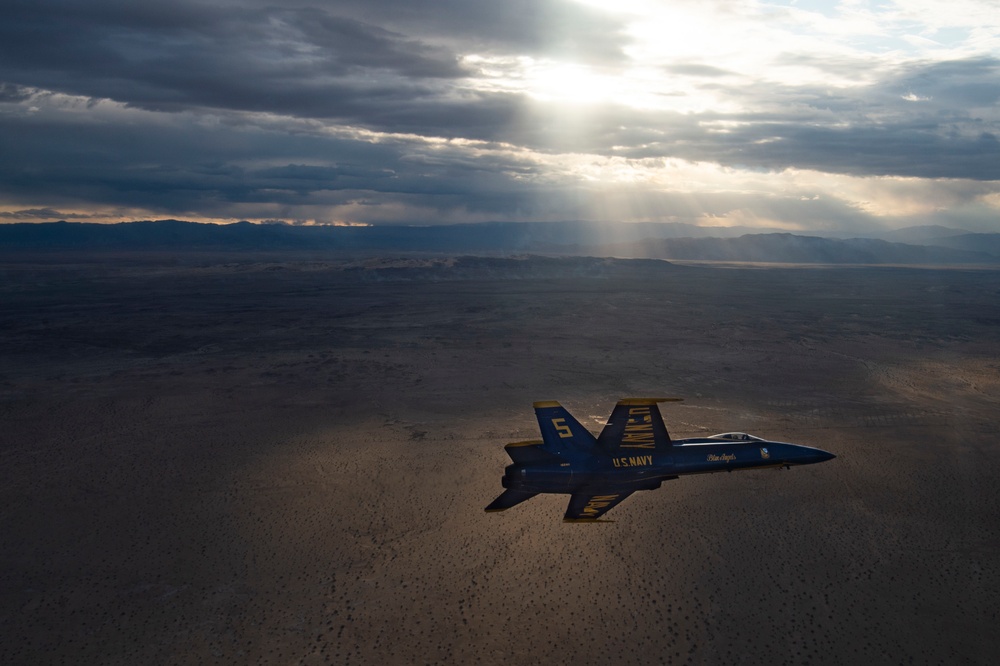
x=737, y=437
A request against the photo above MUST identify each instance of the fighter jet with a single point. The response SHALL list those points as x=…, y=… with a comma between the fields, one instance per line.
x=633, y=452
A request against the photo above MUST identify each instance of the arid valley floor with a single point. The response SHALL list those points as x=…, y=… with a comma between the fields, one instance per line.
x=285, y=459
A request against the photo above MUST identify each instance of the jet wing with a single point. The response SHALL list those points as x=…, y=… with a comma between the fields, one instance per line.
x=588, y=506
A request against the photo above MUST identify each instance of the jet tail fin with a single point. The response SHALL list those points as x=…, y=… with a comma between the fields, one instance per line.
x=561, y=433
x=635, y=423
x=508, y=499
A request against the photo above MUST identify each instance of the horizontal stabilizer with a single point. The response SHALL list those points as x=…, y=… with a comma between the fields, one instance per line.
x=524, y=453
x=508, y=499
x=589, y=506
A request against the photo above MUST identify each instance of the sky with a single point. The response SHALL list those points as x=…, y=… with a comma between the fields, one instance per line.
x=799, y=115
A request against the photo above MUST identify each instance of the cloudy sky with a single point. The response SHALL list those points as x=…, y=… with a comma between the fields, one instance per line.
x=800, y=114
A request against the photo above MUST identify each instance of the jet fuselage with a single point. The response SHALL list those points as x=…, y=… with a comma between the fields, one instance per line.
x=645, y=471
x=633, y=452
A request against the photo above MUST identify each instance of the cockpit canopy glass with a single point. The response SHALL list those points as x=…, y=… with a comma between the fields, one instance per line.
x=737, y=437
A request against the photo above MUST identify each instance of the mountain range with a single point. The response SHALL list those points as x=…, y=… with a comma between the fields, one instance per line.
x=914, y=245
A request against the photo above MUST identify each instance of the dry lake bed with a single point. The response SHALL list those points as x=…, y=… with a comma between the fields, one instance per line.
x=284, y=459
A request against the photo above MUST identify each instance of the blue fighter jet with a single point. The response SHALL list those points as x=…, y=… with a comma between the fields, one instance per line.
x=633, y=452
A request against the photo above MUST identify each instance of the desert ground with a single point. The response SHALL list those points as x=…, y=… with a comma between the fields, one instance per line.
x=216, y=459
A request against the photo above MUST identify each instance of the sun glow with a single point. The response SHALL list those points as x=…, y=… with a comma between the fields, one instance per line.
x=687, y=57
x=566, y=82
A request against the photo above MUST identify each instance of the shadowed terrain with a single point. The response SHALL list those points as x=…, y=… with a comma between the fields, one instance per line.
x=676, y=241
x=285, y=458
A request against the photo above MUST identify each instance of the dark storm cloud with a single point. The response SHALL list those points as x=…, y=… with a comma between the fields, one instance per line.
x=966, y=81
x=390, y=66
x=30, y=214
x=305, y=61
x=196, y=106
x=916, y=148
x=555, y=28
x=920, y=121
x=183, y=164
x=325, y=60
x=10, y=92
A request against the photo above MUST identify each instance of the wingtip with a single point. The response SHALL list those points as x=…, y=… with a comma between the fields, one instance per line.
x=546, y=403
x=527, y=442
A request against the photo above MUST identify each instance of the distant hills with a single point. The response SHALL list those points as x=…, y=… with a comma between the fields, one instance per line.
x=916, y=245
x=489, y=237
x=790, y=248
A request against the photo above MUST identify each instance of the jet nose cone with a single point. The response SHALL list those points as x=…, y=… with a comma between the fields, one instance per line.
x=823, y=456
x=808, y=455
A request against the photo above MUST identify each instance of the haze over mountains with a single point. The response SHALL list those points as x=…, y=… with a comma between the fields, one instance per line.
x=914, y=245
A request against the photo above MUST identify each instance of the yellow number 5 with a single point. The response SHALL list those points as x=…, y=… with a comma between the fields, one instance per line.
x=562, y=428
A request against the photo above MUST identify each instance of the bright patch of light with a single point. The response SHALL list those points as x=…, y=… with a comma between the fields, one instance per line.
x=571, y=83
x=693, y=56
x=992, y=199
